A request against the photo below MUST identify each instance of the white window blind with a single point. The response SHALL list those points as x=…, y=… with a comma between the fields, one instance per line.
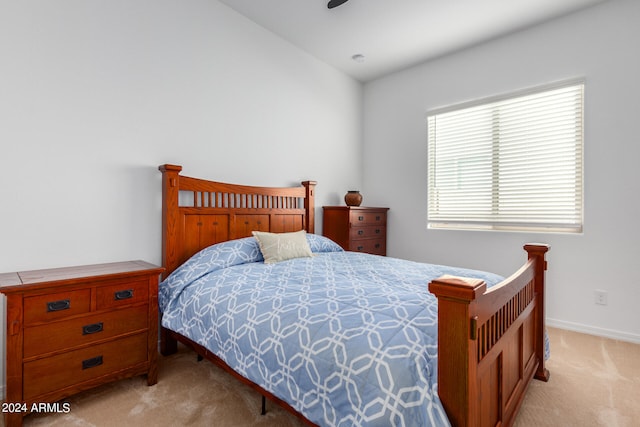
x=511, y=163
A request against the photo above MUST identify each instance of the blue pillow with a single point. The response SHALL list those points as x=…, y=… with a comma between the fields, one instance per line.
x=322, y=244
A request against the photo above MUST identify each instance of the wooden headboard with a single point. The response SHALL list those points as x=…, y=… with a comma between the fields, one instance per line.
x=197, y=213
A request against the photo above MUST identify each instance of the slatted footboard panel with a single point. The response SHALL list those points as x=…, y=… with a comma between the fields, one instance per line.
x=491, y=331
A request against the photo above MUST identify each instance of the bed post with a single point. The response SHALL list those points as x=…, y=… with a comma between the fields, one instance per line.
x=457, y=365
x=170, y=190
x=309, y=205
x=537, y=252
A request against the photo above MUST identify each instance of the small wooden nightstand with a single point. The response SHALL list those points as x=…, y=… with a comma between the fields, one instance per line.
x=360, y=229
x=71, y=329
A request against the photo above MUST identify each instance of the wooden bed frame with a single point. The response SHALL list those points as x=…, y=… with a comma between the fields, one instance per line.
x=490, y=342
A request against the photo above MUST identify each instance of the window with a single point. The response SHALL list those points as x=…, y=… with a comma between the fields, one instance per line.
x=509, y=163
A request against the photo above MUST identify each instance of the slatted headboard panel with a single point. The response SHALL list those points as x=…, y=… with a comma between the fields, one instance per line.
x=197, y=213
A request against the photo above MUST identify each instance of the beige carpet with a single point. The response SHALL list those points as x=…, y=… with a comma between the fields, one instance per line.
x=594, y=382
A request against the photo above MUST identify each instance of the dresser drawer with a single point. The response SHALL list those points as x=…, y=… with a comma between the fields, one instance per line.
x=66, y=334
x=356, y=233
x=372, y=246
x=74, y=367
x=120, y=294
x=358, y=218
x=53, y=306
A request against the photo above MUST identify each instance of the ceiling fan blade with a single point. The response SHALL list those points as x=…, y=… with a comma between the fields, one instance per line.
x=335, y=3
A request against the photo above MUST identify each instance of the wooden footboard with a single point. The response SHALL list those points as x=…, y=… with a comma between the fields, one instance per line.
x=490, y=342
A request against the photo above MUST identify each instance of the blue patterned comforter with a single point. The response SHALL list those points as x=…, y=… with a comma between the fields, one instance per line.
x=347, y=339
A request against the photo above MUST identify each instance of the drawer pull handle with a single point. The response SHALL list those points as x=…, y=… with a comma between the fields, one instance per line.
x=378, y=218
x=378, y=231
x=92, y=363
x=360, y=248
x=126, y=294
x=63, y=304
x=92, y=329
x=377, y=245
x=360, y=232
x=360, y=218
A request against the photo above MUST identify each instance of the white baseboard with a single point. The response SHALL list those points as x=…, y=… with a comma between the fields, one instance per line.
x=591, y=330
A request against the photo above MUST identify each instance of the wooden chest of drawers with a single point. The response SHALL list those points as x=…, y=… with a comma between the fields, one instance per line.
x=71, y=329
x=359, y=229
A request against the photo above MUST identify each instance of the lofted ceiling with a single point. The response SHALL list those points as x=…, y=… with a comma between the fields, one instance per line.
x=394, y=34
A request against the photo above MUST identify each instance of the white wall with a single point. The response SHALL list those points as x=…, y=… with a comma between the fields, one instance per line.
x=95, y=95
x=599, y=44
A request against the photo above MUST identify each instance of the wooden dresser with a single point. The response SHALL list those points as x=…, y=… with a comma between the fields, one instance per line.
x=71, y=329
x=360, y=229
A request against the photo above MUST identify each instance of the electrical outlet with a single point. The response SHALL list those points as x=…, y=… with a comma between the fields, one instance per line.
x=600, y=297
